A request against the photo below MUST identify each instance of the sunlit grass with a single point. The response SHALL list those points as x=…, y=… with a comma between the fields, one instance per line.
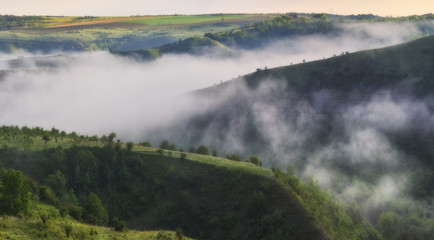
x=32, y=227
x=187, y=19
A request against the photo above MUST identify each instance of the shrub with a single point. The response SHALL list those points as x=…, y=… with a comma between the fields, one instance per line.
x=119, y=225
x=47, y=195
x=202, y=150
x=234, y=157
x=130, y=146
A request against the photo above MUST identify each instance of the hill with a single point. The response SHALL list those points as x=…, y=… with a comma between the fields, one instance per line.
x=207, y=197
x=260, y=34
x=353, y=122
x=193, y=45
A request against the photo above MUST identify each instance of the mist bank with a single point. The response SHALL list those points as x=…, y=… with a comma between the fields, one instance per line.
x=361, y=125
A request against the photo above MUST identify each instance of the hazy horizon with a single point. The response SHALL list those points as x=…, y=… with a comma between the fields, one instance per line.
x=170, y=7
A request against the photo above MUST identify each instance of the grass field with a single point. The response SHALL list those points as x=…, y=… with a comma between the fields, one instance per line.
x=194, y=19
x=51, y=33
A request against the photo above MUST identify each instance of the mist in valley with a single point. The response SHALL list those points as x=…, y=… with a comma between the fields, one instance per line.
x=329, y=136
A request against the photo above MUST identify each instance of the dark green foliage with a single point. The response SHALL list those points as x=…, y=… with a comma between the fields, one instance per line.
x=145, y=144
x=46, y=137
x=14, y=193
x=94, y=212
x=202, y=150
x=214, y=153
x=129, y=146
x=183, y=156
x=257, y=204
x=57, y=182
x=75, y=211
x=255, y=160
x=234, y=157
x=164, y=144
x=389, y=225
x=47, y=195
x=119, y=225
x=111, y=137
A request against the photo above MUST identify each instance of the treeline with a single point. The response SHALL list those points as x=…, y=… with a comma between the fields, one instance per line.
x=291, y=25
x=11, y=21
x=204, y=150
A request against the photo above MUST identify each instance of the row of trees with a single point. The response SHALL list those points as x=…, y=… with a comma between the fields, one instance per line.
x=204, y=150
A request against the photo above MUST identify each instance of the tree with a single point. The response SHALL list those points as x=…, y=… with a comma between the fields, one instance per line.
x=234, y=157
x=57, y=182
x=164, y=144
x=214, y=153
x=94, y=212
x=14, y=193
x=191, y=150
x=389, y=225
x=111, y=137
x=46, y=138
x=202, y=150
x=130, y=146
x=172, y=147
x=255, y=160
x=119, y=225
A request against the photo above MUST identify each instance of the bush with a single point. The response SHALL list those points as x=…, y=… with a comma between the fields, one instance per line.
x=47, y=195
x=255, y=160
x=75, y=211
x=145, y=144
x=202, y=150
x=234, y=157
x=164, y=144
x=130, y=146
x=119, y=225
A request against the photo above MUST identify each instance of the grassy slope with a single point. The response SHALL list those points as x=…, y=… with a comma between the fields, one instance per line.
x=32, y=227
x=370, y=69
x=208, y=197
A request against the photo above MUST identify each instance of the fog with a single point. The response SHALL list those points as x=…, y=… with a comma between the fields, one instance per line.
x=98, y=93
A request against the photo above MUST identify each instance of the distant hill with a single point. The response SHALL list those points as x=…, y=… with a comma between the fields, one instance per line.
x=193, y=45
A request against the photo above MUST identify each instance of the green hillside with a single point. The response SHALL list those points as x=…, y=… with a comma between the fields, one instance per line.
x=319, y=110
x=153, y=189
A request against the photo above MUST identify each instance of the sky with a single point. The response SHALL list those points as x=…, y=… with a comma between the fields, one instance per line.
x=147, y=7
